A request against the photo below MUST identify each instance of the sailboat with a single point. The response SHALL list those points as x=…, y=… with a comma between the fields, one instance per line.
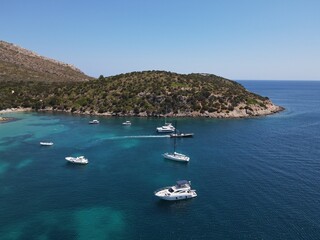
x=175, y=156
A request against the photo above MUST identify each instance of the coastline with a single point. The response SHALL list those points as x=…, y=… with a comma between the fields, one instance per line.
x=239, y=112
x=12, y=110
x=4, y=119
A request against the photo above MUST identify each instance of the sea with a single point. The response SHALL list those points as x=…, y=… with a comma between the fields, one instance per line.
x=256, y=178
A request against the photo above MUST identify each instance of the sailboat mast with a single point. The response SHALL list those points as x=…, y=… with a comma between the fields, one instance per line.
x=175, y=138
x=165, y=117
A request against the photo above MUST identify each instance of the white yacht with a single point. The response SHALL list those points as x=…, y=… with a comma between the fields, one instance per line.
x=126, y=123
x=95, y=121
x=182, y=190
x=167, y=128
x=176, y=157
x=80, y=160
x=46, y=143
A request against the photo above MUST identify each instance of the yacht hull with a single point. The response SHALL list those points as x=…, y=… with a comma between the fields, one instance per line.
x=160, y=130
x=77, y=160
x=94, y=122
x=176, y=157
x=177, y=198
x=181, y=135
x=46, y=143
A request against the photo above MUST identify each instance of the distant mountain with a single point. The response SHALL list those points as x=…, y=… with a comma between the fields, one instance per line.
x=148, y=93
x=19, y=64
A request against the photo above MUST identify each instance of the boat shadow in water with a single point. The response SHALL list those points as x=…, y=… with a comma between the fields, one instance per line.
x=176, y=163
x=174, y=205
x=74, y=165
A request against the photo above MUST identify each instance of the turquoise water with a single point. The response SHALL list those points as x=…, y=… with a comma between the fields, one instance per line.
x=255, y=178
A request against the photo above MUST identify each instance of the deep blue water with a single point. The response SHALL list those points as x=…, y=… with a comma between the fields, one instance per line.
x=256, y=178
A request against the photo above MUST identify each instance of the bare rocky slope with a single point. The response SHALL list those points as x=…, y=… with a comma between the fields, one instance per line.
x=19, y=64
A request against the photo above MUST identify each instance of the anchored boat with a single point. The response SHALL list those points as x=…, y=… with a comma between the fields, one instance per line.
x=175, y=156
x=182, y=190
x=79, y=160
x=46, y=143
x=126, y=123
x=95, y=121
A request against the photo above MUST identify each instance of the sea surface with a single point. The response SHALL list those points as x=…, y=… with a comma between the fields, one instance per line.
x=256, y=178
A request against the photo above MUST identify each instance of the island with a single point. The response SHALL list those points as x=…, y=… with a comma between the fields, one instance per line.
x=63, y=88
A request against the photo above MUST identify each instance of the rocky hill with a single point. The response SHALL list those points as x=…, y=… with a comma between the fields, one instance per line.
x=19, y=64
x=149, y=93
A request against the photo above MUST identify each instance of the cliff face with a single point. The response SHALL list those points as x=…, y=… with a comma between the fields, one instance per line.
x=19, y=64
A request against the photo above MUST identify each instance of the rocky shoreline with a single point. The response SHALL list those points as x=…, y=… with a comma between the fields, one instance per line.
x=5, y=119
x=238, y=112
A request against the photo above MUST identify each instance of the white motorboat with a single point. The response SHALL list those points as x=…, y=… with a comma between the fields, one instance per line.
x=95, y=121
x=167, y=128
x=126, y=123
x=79, y=160
x=182, y=190
x=176, y=157
x=46, y=143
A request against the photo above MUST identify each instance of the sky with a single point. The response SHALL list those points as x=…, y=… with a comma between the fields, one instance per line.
x=236, y=39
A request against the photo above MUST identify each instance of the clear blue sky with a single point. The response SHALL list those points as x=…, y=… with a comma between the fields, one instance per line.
x=237, y=39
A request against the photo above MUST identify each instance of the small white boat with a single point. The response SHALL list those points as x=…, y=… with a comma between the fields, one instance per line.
x=176, y=157
x=79, y=160
x=94, y=122
x=127, y=123
x=167, y=128
x=46, y=143
x=182, y=190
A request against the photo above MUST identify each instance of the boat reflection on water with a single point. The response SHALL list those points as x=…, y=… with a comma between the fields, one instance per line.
x=181, y=191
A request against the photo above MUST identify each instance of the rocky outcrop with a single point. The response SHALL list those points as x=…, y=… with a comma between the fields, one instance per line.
x=20, y=64
x=236, y=113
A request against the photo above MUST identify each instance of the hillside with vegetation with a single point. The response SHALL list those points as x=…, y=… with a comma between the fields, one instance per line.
x=19, y=64
x=149, y=93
